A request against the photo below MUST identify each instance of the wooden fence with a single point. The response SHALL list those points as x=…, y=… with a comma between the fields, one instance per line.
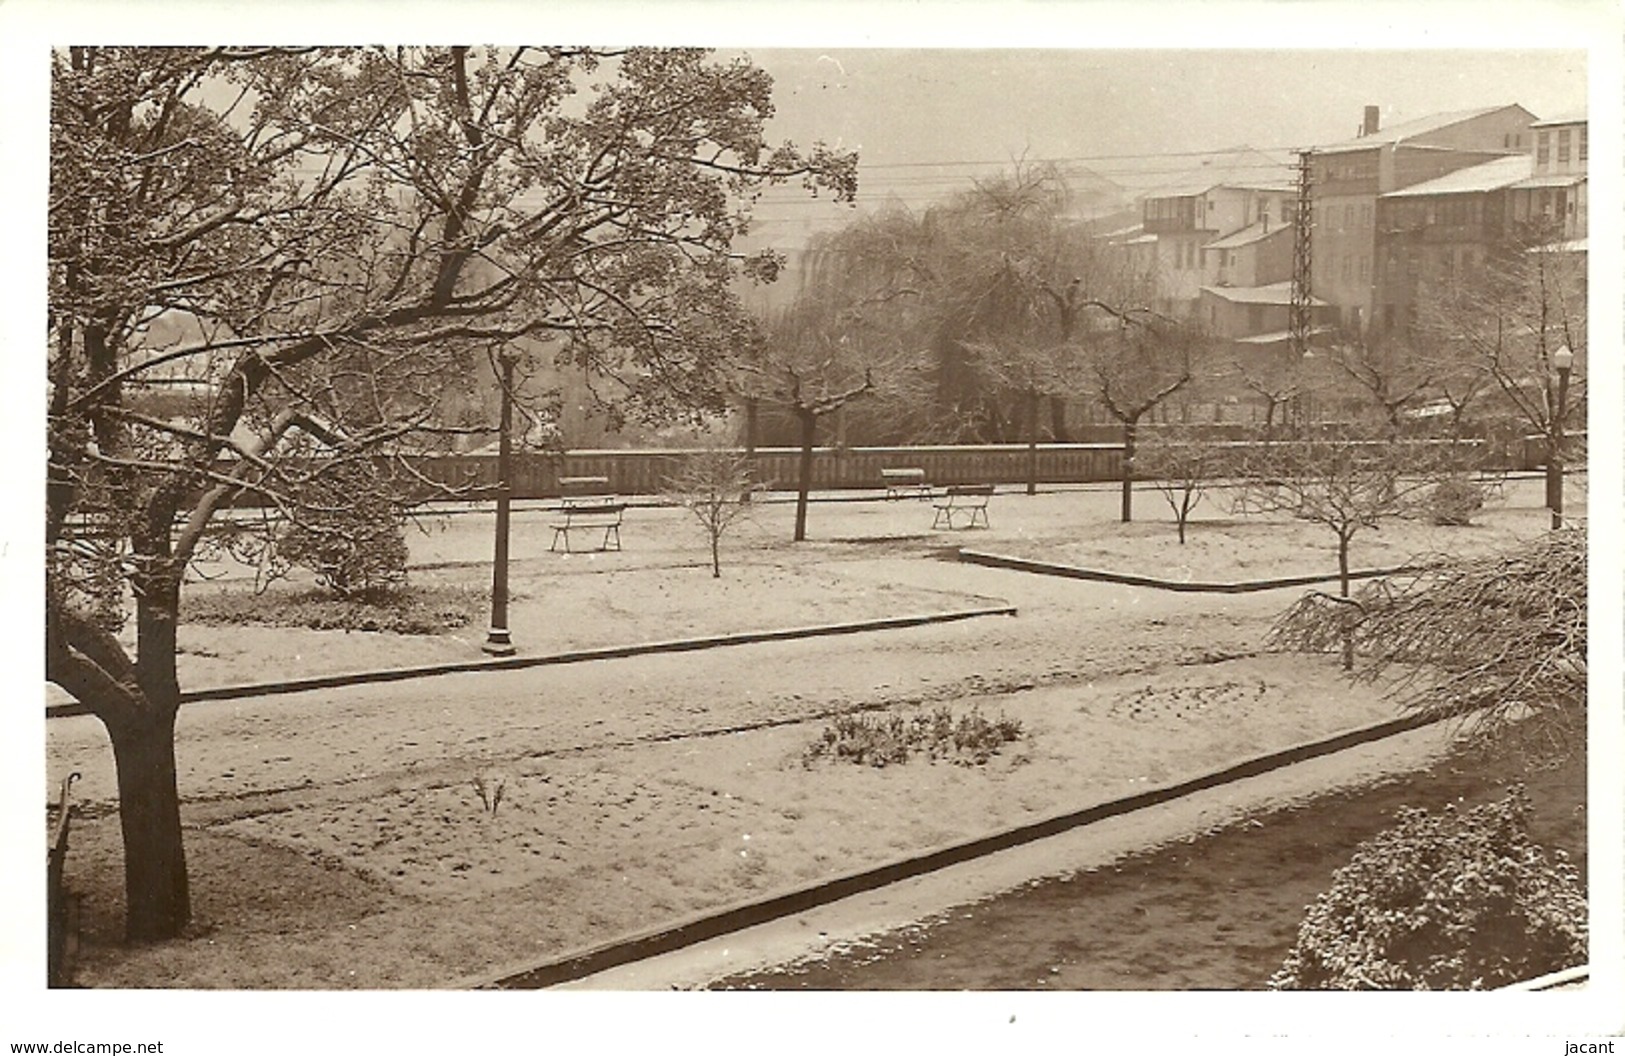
x=645, y=472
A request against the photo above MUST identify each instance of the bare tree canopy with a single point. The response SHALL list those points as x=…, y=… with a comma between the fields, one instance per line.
x=1500, y=638
x=311, y=250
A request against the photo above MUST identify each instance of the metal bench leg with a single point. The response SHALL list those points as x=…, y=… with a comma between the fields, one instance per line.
x=554, y=548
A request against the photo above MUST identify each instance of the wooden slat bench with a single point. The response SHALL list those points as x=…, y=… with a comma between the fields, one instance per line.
x=969, y=500
x=581, y=515
x=576, y=491
x=905, y=480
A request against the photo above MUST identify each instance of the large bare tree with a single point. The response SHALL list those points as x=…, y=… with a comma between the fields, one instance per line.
x=1507, y=321
x=313, y=245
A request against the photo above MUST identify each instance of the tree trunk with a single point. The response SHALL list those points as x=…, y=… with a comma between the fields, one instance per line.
x=750, y=442
x=809, y=433
x=1554, y=474
x=1130, y=429
x=1343, y=584
x=1057, y=420
x=155, y=882
x=716, y=555
x=1032, y=442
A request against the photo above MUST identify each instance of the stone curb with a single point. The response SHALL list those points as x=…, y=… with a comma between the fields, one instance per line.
x=1564, y=979
x=712, y=924
x=514, y=663
x=1021, y=564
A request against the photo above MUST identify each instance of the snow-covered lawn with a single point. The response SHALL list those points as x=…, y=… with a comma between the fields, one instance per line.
x=337, y=838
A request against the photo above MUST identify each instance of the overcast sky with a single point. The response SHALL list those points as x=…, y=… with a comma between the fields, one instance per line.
x=923, y=119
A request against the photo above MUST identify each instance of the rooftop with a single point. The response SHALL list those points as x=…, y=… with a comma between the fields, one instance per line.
x=1550, y=179
x=1571, y=117
x=1277, y=337
x=1246, y=236
x=1475, y=179
x=1405, y=130
x=1242, y=168
x=1274, y=293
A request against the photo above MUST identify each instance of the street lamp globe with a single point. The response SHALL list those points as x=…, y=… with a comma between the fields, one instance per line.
x=1563, y=359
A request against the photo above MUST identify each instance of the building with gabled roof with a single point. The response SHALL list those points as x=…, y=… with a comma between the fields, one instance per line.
x=1246, y=314
x=1433, y=231
x=1348, y=178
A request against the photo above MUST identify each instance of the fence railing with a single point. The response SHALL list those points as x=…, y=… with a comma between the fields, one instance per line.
x=646, y=471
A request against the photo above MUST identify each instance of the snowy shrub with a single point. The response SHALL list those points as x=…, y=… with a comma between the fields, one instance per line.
x=883, y=740
x=1441, y=901
x=1454, y=501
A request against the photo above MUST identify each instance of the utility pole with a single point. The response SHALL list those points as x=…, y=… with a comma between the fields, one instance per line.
x=1300, y=319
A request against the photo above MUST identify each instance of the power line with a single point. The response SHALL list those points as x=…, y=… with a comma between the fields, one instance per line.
x=1088, y=158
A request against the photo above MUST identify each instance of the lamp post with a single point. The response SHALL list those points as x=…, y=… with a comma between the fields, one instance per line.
x=1563, y=360
x=497, y=641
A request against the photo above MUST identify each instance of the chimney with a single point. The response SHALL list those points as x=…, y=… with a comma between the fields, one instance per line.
x=1372, y=121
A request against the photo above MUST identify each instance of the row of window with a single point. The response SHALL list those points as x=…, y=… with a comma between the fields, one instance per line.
x=1330, y=216
x=1563, y=140
x=1337, y=168
x=1450, y=211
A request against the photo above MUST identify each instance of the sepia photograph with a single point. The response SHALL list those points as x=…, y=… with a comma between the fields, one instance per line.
x=1082, y=524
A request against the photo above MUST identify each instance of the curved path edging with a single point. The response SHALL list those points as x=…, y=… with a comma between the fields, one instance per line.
x=1022, y=564
x=514, y=663
x=712, y=924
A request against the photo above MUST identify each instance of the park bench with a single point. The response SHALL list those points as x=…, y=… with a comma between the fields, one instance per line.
x=581, y=516
x=62, y=905
x=578, y=491
x=968, y=499
x=905, y=480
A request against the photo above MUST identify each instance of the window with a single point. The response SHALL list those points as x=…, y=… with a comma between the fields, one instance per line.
x=1583, y=130
x=1348, y=267
x=1365, y=268
x=1563, y=146
x=1543, y=150
x=1348, y=216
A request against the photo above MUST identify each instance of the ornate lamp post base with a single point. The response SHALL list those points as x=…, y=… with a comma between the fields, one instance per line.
x=497, y=642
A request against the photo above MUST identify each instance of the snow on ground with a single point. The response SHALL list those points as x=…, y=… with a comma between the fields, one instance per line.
x=337, y=838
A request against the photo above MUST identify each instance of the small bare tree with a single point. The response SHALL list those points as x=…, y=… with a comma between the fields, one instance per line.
x=1389, y=372
x=1138, y=364
x=1279, y=379
x=714, y=486
x=1347, y=480
x=1182, y=464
